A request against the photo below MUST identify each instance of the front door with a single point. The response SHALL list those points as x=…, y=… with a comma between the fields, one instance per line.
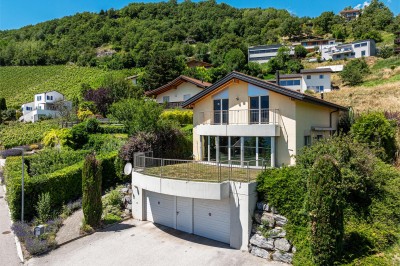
x=184, y=214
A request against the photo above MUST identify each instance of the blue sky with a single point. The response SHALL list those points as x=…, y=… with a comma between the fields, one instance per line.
x=18, y=13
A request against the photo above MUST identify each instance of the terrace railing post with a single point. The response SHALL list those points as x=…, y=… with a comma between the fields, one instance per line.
x=248, y=173
x=161, y=167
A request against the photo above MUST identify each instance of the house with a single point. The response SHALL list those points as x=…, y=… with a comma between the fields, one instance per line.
x=397, y=43
x=350, y=14
x=313, y=45
x=133, y=79
x=263, y=53
x=317, y=80
x=241, y=124
x=178, y=91
x=358, y=49
x=47, y=104
x=197, y=63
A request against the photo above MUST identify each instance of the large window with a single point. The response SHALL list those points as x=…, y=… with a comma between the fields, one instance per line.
x=165, y=99
x=259, y=112
x=223, y=149
x=235, y=148
x=221, y=107
x=290, y=82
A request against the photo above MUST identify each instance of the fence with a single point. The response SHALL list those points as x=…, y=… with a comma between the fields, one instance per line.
x=200, y=171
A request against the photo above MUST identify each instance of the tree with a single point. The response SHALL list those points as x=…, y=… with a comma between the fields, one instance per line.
x=354, y=72
x=378, y=132
x=300, y=51
x=137, y=114
x=385, y=51
x=234, y=60
x=325, y=204
x=102, y=98
x=91, y=191
x=291, y=27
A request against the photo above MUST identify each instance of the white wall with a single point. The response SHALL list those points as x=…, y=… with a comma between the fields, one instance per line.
x=316, y=81
x=176, y=95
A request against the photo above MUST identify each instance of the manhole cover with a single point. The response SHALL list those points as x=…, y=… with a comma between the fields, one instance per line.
x=6, y=232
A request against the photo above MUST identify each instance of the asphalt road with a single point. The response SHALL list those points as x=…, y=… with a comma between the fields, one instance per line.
x=143, y=243
x=8, y=249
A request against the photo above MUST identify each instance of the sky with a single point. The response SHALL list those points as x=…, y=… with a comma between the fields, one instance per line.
x=15, y=14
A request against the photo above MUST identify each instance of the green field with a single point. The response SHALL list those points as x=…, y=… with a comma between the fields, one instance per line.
x=19, y=84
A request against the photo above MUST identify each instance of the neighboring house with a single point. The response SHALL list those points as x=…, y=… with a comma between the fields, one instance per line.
x=356, y=49
x=178, y=91
x=335, y=68
x=47, y=104
x=397, y=43
x=263, y=53
x=133, y=79
x=241, y=124
x=317, y=44
x=350, y=14
x=196, y=63
x=317, y=80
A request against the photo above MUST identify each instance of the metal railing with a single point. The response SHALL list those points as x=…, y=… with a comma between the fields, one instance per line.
x=199, y=171
x=238, y=117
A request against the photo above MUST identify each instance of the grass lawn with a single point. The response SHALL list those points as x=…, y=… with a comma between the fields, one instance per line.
x=203, y=172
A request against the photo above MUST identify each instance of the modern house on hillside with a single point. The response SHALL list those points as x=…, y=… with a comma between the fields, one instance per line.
x=47, y=104
x=177, y=91
x=356, y=49
x=317, y=80
x=241, y=125
x=316, y=44
x=263, y=53
x=350, y=14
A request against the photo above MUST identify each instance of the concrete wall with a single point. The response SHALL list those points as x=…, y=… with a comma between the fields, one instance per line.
x=176, y=95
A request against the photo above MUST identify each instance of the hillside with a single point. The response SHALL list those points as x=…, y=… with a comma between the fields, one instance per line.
x=19, y=84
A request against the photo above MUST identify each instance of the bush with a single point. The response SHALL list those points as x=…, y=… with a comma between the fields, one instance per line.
x=325, y=206
x=354, y=72
x=183, y=117
x=79, y=136
x=56, y=137
x=92, y=126
x=104, y=143
x=385, y=52
x=113, y=129
x=378, y=133
x=91, y=191
x=43, y=207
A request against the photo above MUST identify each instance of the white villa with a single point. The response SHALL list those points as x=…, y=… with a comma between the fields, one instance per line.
x=356, y=49
x=47, y=104
x=317, y=80
x=263, y=53
x=174, y=93
x=240, y=125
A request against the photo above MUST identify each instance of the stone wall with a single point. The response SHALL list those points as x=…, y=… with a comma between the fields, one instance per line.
x=268, y=238
x=126, y=192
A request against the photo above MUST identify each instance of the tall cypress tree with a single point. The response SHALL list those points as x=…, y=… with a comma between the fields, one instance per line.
x=91, y=188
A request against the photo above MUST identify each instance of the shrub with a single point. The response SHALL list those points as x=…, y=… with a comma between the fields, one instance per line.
x=43, y=207
x=84, y=114
x=112, y=129
x=79, y=136
x=378, y=132
x=56, y=137
x=354, y=72
x=104, y=143
x=325, y=206
x=92, y=126
x=91, y=188
x=385, y=51
x=183, y=117
x=22, y=230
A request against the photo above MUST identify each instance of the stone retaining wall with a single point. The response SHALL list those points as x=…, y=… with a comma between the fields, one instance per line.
x=127, y=199
x=268, y=238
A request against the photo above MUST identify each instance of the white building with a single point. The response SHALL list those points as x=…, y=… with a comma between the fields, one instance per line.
x=318, y=80
x=317, y=44
x=356, y=49
x=263, y=53
x=47, y=104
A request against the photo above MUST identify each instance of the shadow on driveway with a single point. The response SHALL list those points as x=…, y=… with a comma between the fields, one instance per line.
x=117, y=227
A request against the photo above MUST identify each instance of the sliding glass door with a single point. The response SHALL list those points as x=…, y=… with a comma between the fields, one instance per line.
x=259, y=110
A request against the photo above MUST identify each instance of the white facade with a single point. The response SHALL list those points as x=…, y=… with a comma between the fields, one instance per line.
x=351, y=50
x=180, y=94
x=263, y=53
x=312, y=45
x=219, y=211
x=308, y=80
x=44, y=104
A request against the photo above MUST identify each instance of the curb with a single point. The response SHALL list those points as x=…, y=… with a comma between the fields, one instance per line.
x=88, y=234
x=17, y=243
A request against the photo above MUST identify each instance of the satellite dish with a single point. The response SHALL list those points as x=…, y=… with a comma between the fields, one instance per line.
x=128, y=169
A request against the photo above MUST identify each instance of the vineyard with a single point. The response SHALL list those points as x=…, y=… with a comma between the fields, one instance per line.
x=19, y=84
x=16, y=133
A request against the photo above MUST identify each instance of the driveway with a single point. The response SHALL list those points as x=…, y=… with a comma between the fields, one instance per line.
x=143, y=243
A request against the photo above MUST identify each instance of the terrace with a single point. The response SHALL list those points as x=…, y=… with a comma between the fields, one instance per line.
x=199, y=171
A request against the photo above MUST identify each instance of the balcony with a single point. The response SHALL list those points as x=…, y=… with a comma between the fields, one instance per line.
x=245, y=122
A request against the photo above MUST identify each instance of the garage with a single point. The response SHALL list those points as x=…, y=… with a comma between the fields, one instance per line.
x=160, y=208
x=211, y=219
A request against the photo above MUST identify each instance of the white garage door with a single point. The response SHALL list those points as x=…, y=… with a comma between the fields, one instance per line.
x=160, y=208
x=212, y=219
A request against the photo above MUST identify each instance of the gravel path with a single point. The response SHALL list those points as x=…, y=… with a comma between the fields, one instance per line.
x=70, y=228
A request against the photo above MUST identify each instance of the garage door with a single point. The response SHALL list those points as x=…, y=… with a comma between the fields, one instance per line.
x=212, y=219
x=160, y=208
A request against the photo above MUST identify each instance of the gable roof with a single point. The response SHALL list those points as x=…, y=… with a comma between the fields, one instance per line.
x=176, y=82
x=262, y=84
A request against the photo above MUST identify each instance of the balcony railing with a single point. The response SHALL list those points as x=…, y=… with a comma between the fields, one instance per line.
x=238, y=117
x=199, y=171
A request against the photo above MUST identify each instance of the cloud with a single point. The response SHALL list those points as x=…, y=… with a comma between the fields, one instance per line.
x=363, y=5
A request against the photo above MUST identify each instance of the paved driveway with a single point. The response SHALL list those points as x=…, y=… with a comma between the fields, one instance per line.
x=142, y=243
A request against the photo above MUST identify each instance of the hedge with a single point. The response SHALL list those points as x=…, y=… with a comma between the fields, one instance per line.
x=64, y=185
x=183, y=117
x=113, y=129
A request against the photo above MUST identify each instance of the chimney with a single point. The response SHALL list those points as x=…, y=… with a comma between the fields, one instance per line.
x=322, y=95
x=277, y=78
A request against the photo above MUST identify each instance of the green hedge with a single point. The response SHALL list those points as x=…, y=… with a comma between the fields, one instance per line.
x=113, y=129
x=63, y=185
x=183, y=117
